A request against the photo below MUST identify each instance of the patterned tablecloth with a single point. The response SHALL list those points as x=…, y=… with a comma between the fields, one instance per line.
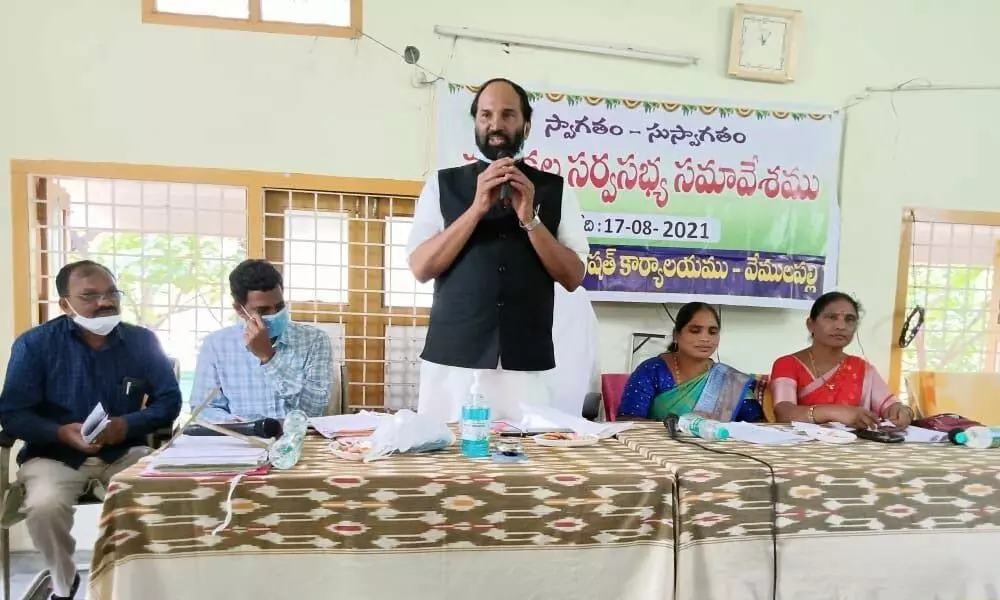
x=862, y=520
x=410, y=525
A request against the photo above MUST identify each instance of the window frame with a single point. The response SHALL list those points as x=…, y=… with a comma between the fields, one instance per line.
x=910, y=216
x=254, y=22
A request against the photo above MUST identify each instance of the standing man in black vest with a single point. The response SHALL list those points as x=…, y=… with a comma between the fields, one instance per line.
x=495, y=236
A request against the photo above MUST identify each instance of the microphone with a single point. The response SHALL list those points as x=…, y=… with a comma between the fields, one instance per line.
x=506, y=192
x=670, y=422
x=262, y=428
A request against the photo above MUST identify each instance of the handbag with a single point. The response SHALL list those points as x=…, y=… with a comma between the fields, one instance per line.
x=945, y=422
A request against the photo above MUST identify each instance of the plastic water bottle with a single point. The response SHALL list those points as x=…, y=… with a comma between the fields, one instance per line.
x=979, y=437
x=706, y=429
x=476, y=422
x=296, y=421
x=286, y=451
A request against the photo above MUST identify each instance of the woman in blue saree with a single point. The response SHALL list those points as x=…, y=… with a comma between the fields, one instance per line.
x=686, y=379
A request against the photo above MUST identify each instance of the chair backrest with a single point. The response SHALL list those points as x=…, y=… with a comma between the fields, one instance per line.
x=344, y=389
x=338, y=393
x=612, y=386
x=973, y=395
x=767, y=399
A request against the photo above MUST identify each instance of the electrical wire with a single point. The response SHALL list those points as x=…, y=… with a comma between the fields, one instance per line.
x=670, y=315
x=773, y=488
x=417, y=64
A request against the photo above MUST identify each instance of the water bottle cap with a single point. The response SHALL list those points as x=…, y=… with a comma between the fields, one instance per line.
x=961, y=438
x=722, y=434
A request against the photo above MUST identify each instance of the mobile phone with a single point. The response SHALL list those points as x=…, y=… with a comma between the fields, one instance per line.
x=879, y=435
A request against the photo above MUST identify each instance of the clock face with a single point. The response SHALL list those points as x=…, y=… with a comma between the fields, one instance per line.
x=763, y=43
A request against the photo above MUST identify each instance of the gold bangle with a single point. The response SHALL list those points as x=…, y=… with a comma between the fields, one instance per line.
x=812, y=415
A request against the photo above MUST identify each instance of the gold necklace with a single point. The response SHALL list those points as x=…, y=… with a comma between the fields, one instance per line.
x=678, y=376
x=823, y=379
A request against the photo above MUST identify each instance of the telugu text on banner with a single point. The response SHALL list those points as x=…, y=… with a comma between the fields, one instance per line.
x=683, y=200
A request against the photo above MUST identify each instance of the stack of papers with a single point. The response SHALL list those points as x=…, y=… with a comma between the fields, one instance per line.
x=96, y=421
x=542, y=419
x=360, y=424
x=212, y=453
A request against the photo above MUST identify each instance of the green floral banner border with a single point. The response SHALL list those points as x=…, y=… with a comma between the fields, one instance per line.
x=648, y=106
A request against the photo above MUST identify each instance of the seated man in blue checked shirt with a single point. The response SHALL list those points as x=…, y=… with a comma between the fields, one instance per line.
x=266, y=365
x=57, y=374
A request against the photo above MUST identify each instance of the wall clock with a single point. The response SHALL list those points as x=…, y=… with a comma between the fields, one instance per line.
x=764, y=44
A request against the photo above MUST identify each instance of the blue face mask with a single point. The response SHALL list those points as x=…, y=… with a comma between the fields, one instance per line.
x=277, y=323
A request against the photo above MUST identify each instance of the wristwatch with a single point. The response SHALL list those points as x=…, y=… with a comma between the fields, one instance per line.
x=530, y=225
x=533, y=223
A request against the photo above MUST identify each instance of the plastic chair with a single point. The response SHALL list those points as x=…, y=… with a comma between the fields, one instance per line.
x=612, y=387
x=591, y=406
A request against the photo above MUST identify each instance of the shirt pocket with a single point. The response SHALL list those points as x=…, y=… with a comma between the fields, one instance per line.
x=128, y=394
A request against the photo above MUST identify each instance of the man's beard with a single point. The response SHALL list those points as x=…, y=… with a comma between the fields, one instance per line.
x=510, y=147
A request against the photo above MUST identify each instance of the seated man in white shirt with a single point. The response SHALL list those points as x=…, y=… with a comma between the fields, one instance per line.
x=266, y=365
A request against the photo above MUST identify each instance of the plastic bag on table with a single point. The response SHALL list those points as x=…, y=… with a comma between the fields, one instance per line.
x=406, y=431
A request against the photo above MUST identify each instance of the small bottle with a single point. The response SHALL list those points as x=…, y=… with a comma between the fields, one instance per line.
x=476, y=422
x=706, y=429
x=286, y=451
x=979, y=437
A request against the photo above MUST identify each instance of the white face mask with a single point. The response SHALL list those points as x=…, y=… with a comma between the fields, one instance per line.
x=101, y=326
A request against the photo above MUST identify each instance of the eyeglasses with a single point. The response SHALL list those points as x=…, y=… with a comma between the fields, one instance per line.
x=94, y=298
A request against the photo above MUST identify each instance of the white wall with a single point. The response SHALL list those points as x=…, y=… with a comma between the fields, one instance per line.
x=89, y=82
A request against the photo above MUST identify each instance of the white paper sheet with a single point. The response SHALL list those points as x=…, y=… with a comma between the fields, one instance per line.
x=755, y=434
x=808, y=428
x=95, y=423
x=334, y=425
x=919, y=435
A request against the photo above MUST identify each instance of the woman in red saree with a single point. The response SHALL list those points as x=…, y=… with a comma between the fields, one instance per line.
x=822, y=383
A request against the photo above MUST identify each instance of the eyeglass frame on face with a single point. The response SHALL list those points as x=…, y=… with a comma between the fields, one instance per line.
x=114, y=295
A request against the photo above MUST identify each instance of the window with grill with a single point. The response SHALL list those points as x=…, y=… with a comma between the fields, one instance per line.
x=343, y=258
x=950, y=265
x=171, y=246
x=337, y=18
